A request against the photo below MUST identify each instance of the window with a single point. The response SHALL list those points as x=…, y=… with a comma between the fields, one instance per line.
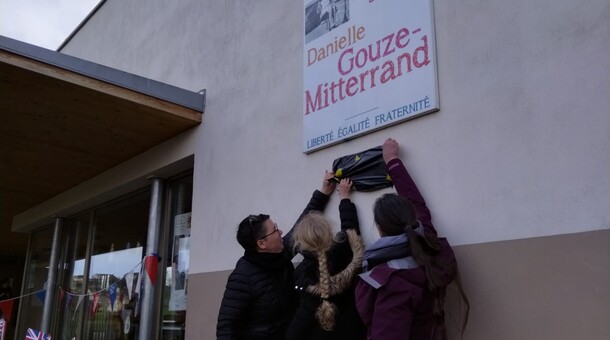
x=178, y=249
x=100, y=263
x=37, y=269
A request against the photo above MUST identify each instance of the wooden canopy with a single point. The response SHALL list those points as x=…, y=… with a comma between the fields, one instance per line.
x=64, y=120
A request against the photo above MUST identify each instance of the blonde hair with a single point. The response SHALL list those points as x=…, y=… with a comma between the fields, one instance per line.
x=314, y=234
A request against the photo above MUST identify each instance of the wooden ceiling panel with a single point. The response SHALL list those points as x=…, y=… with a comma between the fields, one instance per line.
x=59, y=128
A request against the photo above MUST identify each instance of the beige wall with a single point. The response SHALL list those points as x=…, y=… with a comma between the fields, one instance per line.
x=517, y=153
x=519, y=148
x=555, y=287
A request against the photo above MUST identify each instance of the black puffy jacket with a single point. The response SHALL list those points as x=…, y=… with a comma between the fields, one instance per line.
x=259, y=299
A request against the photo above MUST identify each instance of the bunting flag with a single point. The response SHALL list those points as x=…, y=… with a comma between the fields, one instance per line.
x=2, y=328
x=122, y=296
x=41, y=295
x=69, y=300
x=151, y=263
x=94, y=304
x=126, y=321
x=112, y=294
x=80, y=300
x=138, y=282
x=129, y=281
x=36, y=335
x=138, y=292
x=6, y=307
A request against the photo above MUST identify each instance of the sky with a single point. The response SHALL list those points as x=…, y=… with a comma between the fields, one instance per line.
x=45, y=23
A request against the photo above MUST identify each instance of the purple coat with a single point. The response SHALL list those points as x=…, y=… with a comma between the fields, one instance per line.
x=393, y=299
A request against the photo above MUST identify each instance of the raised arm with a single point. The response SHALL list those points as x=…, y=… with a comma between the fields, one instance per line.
x=347, y=209
x=404, y=184
x=318, y=202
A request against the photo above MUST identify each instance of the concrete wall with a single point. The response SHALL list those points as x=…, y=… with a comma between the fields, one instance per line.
x=515, y=163
x=553, y=287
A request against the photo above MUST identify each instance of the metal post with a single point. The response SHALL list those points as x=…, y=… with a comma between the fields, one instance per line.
x=81, y=313
x=149, y=328
x=47, y=310
x=22, y=304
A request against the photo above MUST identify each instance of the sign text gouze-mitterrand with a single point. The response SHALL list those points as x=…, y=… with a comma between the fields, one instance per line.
x=369, y=71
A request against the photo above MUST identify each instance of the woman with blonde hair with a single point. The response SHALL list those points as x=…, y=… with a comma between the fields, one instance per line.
x=325, y=279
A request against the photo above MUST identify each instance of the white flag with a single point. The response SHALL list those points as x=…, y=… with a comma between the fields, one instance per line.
x=129, y=280
x=80, y=299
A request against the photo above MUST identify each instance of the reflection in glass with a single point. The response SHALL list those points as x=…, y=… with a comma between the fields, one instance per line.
x=35, y=281
x=100, y=262
x=178, y=250
x=109, y=310
x=74, y=249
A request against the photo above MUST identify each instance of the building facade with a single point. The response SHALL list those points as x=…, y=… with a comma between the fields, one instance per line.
x=514, y=165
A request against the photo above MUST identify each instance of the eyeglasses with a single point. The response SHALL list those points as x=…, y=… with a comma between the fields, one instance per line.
x=256, y=219
x=275, y=230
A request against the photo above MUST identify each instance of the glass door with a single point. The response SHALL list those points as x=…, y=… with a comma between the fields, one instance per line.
x=117, y=248
x=100, y=265
x=178, y=257
x=34, y=288
x=71, y=276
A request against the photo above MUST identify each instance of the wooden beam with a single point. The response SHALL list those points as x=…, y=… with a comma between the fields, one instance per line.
x=166, y=107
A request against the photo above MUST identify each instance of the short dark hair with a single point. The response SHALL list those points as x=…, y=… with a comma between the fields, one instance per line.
x=251, y=229
x=393, y=213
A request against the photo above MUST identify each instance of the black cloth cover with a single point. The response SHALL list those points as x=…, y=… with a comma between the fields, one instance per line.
x=366, y=169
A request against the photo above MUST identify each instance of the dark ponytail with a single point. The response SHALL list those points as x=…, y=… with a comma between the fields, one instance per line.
x=395, y=215
x=423, y=251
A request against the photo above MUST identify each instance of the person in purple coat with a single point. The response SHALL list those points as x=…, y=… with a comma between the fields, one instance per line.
x=401, y=293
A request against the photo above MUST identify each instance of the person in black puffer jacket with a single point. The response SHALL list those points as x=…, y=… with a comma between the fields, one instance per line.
x=326, y=277
x=259, y=300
